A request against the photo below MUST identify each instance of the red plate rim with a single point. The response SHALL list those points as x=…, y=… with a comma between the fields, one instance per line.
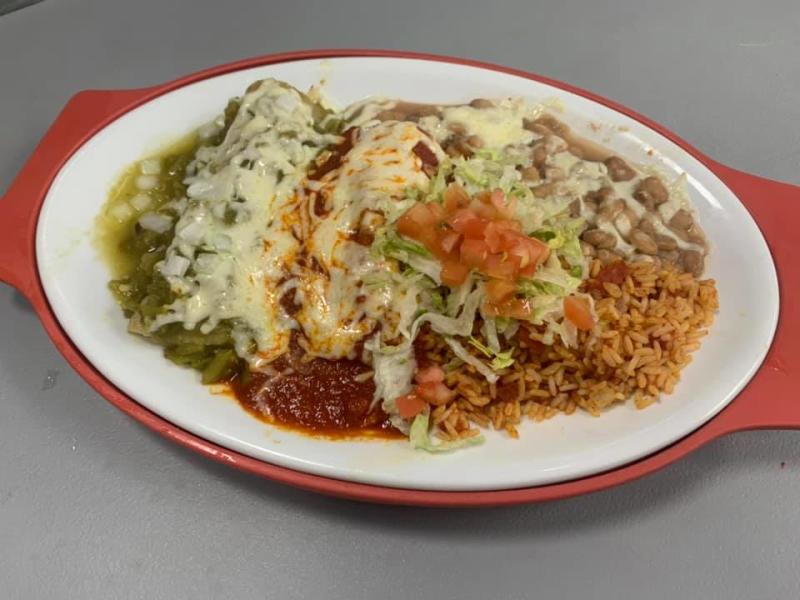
x=89, y=112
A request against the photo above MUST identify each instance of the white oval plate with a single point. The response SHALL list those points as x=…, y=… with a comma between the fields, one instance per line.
x=560, y=449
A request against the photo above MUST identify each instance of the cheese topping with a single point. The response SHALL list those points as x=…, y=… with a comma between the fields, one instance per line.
x=234, y=237
x=336, y=313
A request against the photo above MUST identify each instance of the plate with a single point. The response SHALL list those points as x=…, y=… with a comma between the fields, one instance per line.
x=561, y=449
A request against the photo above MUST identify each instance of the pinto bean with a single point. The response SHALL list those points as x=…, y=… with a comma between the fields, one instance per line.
x=530, y=173
x=587, y=249
x=456, y=146
x=665, y=242
x=554, y=144
x=646, y=225
x=642, y=242
x=598, y=196
x=681, y=221
x=575, y=209
x=537, y=129
x=544, y=190
x=458, y=128
x=451, y=150
x=607, y=256
x=632, y=217
x=475, y=141
x=696, y=236
x=670, y=256
x=609, y=209
x=481, y=103
x=651, y=192
x=618, y=169
x=693, y=262
x=552, y=124
x=390, y=115
x=539, y=155
x=533, y=126
x=599, y=238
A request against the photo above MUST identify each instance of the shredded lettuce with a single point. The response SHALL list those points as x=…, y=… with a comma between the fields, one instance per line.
x=437, y=301
x=489, y=331
x=531, y=288
x=563, y=238
x=394, y=372
x=439, y=183
x=462, y=353
x=420, y=438
x=483, y=349
x=389, y=243
x=500, y=360
x=544, y=235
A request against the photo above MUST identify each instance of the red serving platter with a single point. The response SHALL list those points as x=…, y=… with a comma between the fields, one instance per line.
x=770, y=401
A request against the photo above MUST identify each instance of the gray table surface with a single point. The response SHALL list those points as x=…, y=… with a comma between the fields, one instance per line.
x=92, y=505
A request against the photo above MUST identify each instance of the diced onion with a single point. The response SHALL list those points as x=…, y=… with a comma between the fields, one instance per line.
x=121, y=212
x=191, y=233
x=155, y=222
x=205, y=262
x=146, y=182
x=222, y=242
x=208, y=130
x=150, y=166
x=198, y=189
x=140, y=201
x=175, y=266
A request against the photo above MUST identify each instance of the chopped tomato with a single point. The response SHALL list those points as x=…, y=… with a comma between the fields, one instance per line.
x=539, y=251
x=410, y=405
x=450, y=240
x=478, y=233
x=437, y=211
x=432, y=374
x=421, y=223
x=455, y=197
x=516, y=308
x=454, y=273
x=504, y=210
x=482, y=207
x=499, y=290
x=436, y=393
x=500, y=267
x=414, y=219
x=474, y=253
x=528, y=271
x=466, y=222
x=496, y=235
x=616, y=272
x=577, y=312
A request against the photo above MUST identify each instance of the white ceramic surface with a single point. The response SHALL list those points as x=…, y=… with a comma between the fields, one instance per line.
x=563, y=448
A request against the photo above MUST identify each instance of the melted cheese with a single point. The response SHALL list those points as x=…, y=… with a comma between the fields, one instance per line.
x=336, y=313
x=498, y=127
x=254, y=231
x=232, y=230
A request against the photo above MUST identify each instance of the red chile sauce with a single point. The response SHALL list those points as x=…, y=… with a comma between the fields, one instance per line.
x=320, y=397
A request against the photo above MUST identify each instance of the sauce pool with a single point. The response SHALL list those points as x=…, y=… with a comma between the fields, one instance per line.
x=329, y=398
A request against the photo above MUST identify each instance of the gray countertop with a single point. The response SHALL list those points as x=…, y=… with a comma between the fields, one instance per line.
x=92, y=505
